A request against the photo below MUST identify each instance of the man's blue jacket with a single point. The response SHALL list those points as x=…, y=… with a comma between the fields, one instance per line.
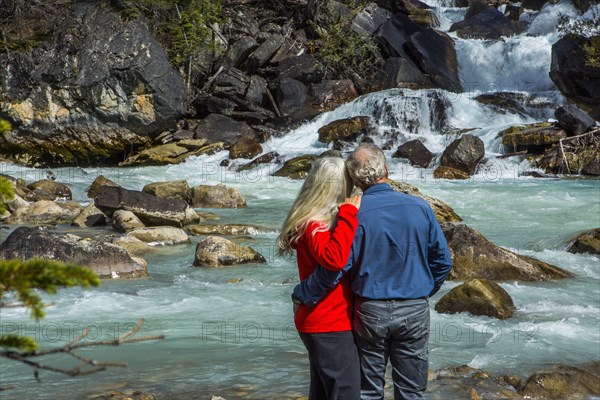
x=398, y=252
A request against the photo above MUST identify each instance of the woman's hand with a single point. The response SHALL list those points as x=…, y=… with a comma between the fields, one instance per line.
x=354, y=200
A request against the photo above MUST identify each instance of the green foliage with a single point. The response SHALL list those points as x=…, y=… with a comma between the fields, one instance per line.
x=592, y=52
x=182, y=25
x=23, y=343
x=25, y=277
x=4, y=126
x=6, y=193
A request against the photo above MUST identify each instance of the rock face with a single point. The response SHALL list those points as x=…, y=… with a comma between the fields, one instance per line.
x=464, y=154
x=174, y=190
x=218, y=252
x=346, y=129
x=160, y=234
x=218, y=196
x=228, y=229
x=478, y=297
x=573, y=119
x=46, y=212
x=484, y=22
x=107, y=260
x=297, y=167
x=574, y=72
x=95, y=101
x=442, y=211
x=416, y=152
x=151, y=210
x=587, y=242
x=474, y=256
x=563, y=382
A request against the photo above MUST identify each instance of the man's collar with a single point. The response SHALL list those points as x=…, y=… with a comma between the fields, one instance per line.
x=378, y=187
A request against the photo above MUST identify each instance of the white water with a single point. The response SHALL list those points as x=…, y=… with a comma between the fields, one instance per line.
x=238, y=340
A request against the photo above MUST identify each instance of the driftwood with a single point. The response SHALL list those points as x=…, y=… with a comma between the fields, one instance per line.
x=574, y=144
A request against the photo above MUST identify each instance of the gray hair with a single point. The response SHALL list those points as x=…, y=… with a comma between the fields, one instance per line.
x=366, y=165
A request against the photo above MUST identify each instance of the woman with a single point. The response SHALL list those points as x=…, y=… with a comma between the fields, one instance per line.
x=320, y=227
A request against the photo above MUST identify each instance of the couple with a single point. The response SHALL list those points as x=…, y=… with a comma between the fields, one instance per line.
x=368, y=266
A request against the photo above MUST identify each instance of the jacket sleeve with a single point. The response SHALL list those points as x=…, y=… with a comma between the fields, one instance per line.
x=440, y=261
x=311, y=290
x=331, y=249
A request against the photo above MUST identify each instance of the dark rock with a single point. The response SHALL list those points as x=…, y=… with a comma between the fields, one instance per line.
x=218, y=128
x=443, y=172
x=207, y=104
x=505, y=102
x=464, y=154
x=215, y=251
x=171, y=153
x=297, y=167
x=369, y=19
x=573, y=119
x=292, y=96
x=574, y=73
x=56, y=189
x=114, y=395
x=443, y=212
x=587, y=242
x=239, y=51
x=592, y=167
x=485, y=22
x=512, y=12
x=151, y=210
x=584, y=5
x=219, y=196
x=264, y=159
x=225, y=163
x=175, y=190
x=107, y=260
x=245, y=147
x=533, y=4
x=257, y=90
x=576, y=155
x=182, y=134
x=478, y=297
x=329, y=94
x=292, y=46
x=474, y=256
x=400, y=72
x=323, y=14
x=331, y=153
x=263, y=53
x=416, y=152
x=303, y=68
x=90, y=216
x=100, y=181
x=233, y=82
x=347, y=129
x=563, y=382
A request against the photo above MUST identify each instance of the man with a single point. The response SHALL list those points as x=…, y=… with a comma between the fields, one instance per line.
x=399, y=258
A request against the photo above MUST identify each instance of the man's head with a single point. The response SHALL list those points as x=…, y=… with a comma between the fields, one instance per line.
x=367, y=166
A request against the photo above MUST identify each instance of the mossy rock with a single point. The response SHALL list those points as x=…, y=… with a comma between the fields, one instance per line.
x=297, y=167
x=442, y=211
x=100, y=181
x=587, y=242
x=443, y=172
x=346, y=129
x=563, y=382
x=478, y=297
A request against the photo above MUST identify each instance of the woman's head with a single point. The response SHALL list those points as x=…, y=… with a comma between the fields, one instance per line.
x=326, y=186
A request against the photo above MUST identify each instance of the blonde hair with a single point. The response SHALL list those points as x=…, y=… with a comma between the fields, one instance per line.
x=326, y=186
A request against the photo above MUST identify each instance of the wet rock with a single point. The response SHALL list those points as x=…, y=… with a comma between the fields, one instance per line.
x=416, y=152
x=505, y=102
x=464, y=154
x=485, y=22
x=176, y=190
x=346, y=129
x=245, y=147
x=443, y=172
x=123, y=220
x=264, y=159
x=576, y=155
x=107, y=260
x=478, y=297
x=56, y=189
x=574, y=72
x=563, y=382
x=100, y=181
x=533, y=4
x=416, y=10
x=442, y=211
x=534, y=138
x=151, y=210
x=218, y=252
x=573, y=119
x=219, y=128
x=46, y=212
x=90, y=216
x=297, y=167
x=329, y=94
x=171, y=153
x=586, y=242
x=228, y=229
x=160, y=234
x=114, y=395
x=191, y=217
x=474, y=256
x=219, y=196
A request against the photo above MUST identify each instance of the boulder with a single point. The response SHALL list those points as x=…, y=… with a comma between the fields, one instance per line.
x=346, y=129
x=100, y=181
x=297, y=167
x=416, y=152
x=151, y=210
x=576, y=155
x=56, y=189
x=123, y=220
x=215, y=251
x=533, y=4
x=506, y=102
x=474, y=256
x=573, y=119
x=369, y=19
x=464, y=154
x=219, y=128
x=87, y=94
x=15, y=203
x=264, y=159
x=563, y=382
x=171, y=153
x=245, y=147
x=442, y=211
x=329, y=94
x=133, y=246
x=574, y=71
x=191, y=216
x=218, y=196
x=533, y=138
x=228, y=229
x=323, y=14
x=586, y=242
x=257, y=90
x=90, y=216
x=292, y=97
x=398, y=72
x=105, y=259
x=263, y=53
x=232, y=82
x=485, y=22
x=478, y=297
x=160, y=234
x=303, y=68
x=429, y=55
x=239, y=51
x=443, y=172
x=175, y=190
x=46, y=212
